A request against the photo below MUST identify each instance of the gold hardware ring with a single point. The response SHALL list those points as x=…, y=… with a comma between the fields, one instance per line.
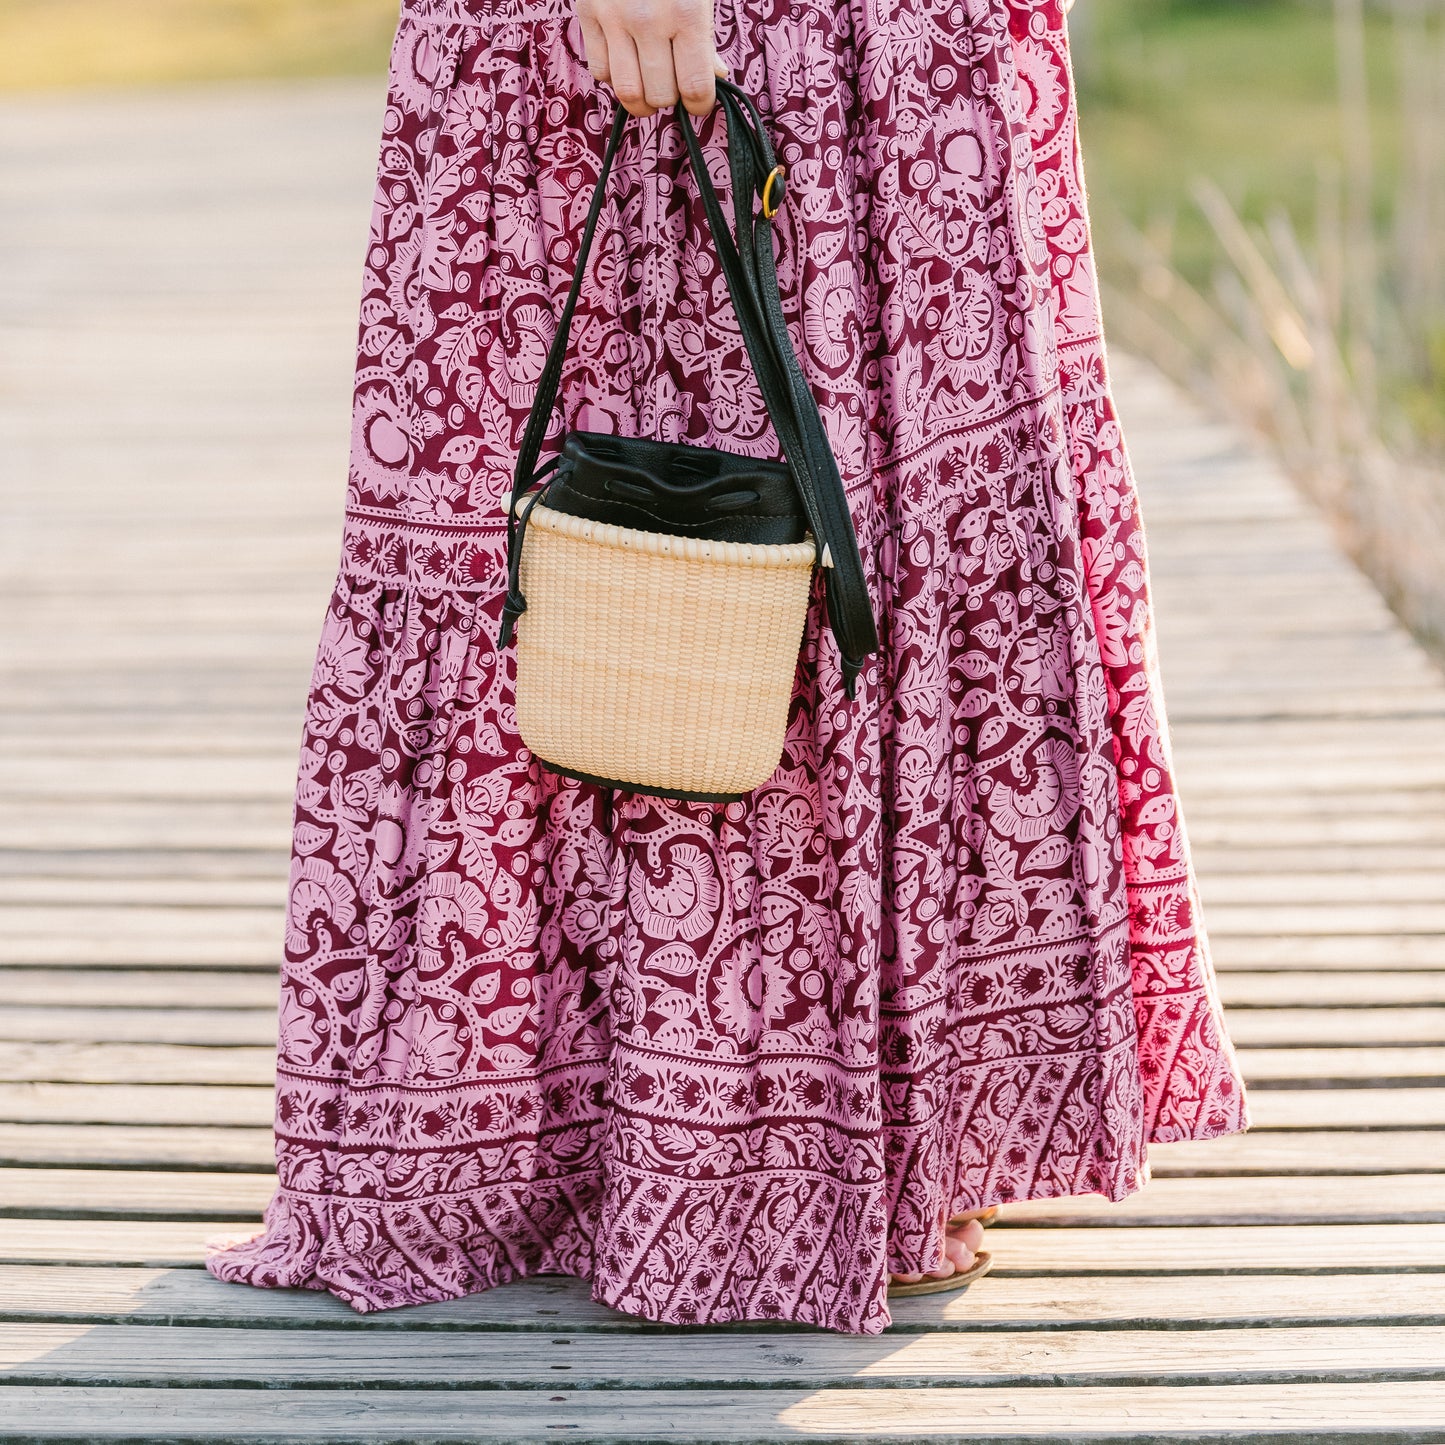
x=775, y=177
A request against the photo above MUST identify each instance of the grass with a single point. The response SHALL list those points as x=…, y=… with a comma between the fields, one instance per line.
x=1268, y=231
x=1241, y=91
x=46, y=44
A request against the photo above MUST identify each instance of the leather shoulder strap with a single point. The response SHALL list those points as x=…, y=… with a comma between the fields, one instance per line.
x=748, y=266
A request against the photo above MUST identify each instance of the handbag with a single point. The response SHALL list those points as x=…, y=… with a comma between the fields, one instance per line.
x=658, y=590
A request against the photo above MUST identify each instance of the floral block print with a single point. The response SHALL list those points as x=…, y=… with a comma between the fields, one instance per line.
x=737, y=1061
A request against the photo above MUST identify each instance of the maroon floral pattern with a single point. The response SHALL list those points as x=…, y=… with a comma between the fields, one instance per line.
x=738, y=1061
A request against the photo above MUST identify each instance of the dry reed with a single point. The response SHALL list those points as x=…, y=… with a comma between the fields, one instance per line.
x=1334, y=349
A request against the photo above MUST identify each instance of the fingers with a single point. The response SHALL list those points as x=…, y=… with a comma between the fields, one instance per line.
x=659, y=81
x=696, y=67
x=653, y=53
x=594, y=44
x=626, y=74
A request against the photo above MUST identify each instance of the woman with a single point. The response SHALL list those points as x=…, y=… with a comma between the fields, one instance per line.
x=738, y=1061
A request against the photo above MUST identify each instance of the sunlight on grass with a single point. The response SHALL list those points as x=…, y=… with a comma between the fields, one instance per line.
x=1268, y=187
x=54, y=43
x=1245, y=93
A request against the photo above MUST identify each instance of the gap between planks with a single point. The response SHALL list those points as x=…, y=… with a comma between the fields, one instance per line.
x=1325, y=1413
x=120, y=1294
x=1248, y=1027
x=222, y=1106
x=218, y=1357
x=58, y=1193
x=1303, y=1067
x=216, y=987
x=1039, y=1250
x=1256, y=1153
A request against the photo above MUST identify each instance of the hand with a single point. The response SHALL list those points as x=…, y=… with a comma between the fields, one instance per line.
x=653, y=52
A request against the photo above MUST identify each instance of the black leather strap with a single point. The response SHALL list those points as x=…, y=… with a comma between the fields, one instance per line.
x=748, y=266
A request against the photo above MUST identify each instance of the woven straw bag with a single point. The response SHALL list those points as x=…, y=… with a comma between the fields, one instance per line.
x=658, y=591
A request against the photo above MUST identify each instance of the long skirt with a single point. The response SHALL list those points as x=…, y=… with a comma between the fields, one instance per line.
x=737, y=1061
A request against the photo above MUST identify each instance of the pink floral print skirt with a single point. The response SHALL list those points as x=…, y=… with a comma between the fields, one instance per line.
x=737, y=1061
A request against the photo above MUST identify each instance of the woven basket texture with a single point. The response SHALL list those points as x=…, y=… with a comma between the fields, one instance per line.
x=662, y=662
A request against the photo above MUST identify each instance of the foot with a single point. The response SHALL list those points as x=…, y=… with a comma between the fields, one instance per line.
x=961, y=1241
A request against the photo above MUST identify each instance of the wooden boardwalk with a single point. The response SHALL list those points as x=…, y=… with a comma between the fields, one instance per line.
x=177, y=287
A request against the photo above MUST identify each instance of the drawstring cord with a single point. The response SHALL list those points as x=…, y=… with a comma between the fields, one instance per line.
x=515, y=604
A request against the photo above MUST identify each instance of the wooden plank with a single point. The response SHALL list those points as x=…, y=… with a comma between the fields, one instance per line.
x=139, y=1025
x=41, y=1193
x=1290, y=951
x=1250, y=856
x=1359, y=1028
x=1287, y=1199
x=1272, y=892
x=143, y=1146
x=1234, y=1249
x=138, y=1146
x=1221, y=823
x=34, y=1354
x=229, y=893
x=1396, y=1108
x=120, y=1293
x=1316, y=1152
x=221, y=1106
x=99, y=1063
x=1316, y=1067
x=254, y=986
x=1257, y=1028
x=215, y=988
x=1346, y=814
x=1223, y=696
x=180, y=778
x=139, y=936
x=1314, y=738
x=1331, y=919
x=1384, y=757
x=127, y=824
x=1362, y=989
x=52, y=1193
x=1319, y=886
x=228, y=1106
x=97, y=690
x=1223, y=691
x=1260, y=678
x=1240, y=769
x=1239, y=677
x=135, y=629
x=140, y=639
x=83, y=864
x=1390, y=1413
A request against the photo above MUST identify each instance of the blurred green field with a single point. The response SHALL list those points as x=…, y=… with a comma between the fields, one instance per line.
x=1242, y=91
x=51, y=43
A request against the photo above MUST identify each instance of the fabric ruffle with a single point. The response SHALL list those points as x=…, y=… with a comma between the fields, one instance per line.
x=738, y=1061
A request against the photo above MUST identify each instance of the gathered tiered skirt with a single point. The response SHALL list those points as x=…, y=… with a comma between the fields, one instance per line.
x=737, y=1061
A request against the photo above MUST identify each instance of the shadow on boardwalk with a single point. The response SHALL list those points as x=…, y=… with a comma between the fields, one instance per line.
x=177, y=290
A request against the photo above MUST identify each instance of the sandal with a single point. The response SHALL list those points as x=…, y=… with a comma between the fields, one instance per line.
x=982, y=1263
